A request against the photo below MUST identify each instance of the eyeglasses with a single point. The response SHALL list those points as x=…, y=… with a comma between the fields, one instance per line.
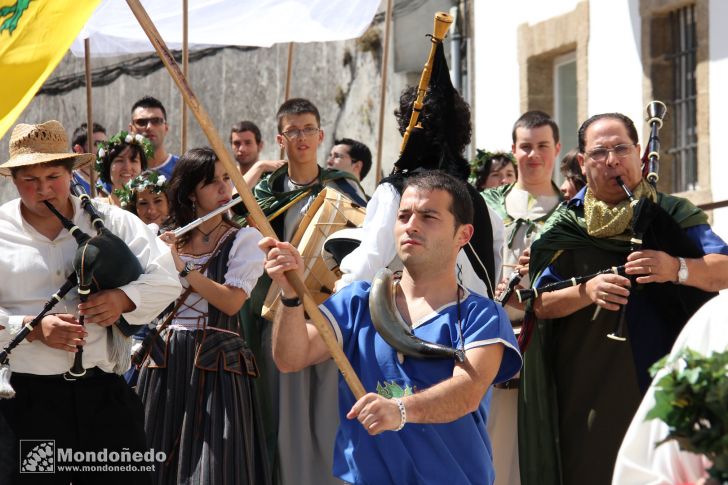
x=143, y=122
x=295, y=133
x=601, y=154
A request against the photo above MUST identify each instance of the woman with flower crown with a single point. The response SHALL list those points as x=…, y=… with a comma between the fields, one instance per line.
x=119, y=160
x=197, y=382
x=145, y=196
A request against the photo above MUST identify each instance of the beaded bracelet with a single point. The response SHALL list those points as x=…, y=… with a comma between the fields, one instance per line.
x=402, y=413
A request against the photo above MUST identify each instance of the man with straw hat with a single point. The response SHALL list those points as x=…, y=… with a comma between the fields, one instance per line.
x=52, y=419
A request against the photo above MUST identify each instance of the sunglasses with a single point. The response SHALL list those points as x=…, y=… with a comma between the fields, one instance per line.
x=143, y=122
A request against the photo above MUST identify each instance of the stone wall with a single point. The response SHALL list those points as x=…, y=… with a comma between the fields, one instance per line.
x=341, y=78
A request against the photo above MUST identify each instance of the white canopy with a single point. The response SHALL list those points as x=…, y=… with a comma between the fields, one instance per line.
x=113, y=29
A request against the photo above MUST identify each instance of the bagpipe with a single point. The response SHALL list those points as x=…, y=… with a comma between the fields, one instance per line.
x=652, y=228
x=386, y=319
x=102, y=261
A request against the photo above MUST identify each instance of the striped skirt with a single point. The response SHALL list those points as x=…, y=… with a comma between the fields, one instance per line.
x=200, y=409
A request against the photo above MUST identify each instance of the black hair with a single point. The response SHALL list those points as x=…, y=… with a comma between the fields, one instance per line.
x=80, y=134
x=628, y=124
x=358, y=152
x=195, y=166
x=461, y=206
x=149, y=102
x=446, y=131
x=242, y=126
x=115, y=151
x=571, y=169
x=535, y=119
x=296, y=106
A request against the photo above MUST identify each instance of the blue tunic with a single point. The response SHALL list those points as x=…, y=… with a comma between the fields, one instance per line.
x=454, y=452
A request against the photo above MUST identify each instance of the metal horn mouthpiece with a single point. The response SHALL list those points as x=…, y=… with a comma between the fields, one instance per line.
x=656, y=110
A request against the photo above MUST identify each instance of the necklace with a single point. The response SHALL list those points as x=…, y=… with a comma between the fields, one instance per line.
x=206, y=235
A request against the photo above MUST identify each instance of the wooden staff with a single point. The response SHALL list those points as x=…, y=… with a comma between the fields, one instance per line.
x=256, y=214
x=90, y=146
x=287, y=89
x=185, y=69
x=383, y=91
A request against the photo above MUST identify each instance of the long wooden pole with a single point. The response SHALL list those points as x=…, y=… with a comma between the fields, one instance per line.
x=255, y=213
x=289, y=71
x=89, y=115
x=185, y=69
x=287, y=89
x=383, y=90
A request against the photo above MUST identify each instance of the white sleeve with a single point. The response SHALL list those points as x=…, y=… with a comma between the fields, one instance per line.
x=499, y=239
x=377, y=247
x=639, y=460
x=159, y=285
x=245, y=264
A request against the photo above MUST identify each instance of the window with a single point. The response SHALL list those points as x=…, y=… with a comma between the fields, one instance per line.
x=565, y=105
x=682, y=61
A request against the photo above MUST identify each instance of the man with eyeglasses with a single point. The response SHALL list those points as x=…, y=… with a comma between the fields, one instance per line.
x=149, y=118
x=305, y=402
x=82, y=176
x=580, y=389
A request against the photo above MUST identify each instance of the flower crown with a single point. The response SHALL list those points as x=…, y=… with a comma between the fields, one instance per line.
x=123, y=137
x=152, y=181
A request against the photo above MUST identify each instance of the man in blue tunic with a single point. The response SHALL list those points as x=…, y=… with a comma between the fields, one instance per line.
x=438, y=406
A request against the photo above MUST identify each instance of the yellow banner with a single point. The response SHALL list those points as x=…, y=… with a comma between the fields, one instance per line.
x=34, y=36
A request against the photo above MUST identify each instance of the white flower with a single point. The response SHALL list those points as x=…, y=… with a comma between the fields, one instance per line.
x=161, y=180
x=128, y=139
x=139, y=138
x=102, y=153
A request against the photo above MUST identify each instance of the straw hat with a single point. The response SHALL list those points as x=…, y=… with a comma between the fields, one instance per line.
x=46, y=142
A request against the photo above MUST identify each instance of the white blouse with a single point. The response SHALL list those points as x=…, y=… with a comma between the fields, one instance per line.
x=34, y=267
x=377, y=249
x=244, y=267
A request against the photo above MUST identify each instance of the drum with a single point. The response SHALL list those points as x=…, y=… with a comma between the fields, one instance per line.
x=330, y=212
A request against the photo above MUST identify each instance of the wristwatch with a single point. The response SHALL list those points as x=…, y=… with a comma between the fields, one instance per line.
x=189, y=267
x=682, y=273
x=290, y=302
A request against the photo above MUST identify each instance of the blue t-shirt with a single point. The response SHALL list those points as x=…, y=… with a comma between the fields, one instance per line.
x=167, y=167
x=450, y=453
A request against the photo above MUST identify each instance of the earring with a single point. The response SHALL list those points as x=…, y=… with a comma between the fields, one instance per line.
x=194, y=208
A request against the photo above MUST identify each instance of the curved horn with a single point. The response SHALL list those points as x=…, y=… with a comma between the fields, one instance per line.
x=394, y=330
